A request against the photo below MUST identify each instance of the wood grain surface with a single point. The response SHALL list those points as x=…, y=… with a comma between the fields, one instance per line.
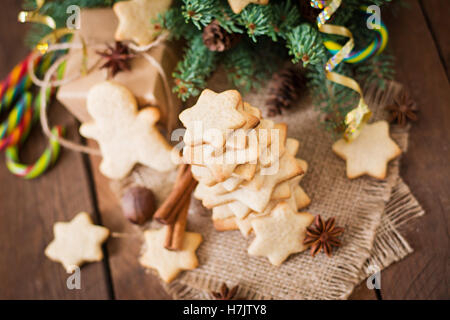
x=28, y=209
x=425, y=167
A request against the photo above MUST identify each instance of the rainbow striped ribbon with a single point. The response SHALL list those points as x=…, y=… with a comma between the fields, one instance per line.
x=50, y=154
x=45, y=161
x=374, y=48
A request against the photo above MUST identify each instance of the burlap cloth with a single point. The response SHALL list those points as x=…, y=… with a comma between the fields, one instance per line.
x=370, y=211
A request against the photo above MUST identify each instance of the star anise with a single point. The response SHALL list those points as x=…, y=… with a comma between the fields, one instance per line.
x=403, y=109
x=322, y=235
x=225, y=293
x=118, y=58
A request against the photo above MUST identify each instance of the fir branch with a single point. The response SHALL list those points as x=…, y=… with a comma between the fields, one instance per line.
x=239, y=67
x=256, y=20
x=173, y=21
x=305, y=44
x=251, y=62
x=191, y=72
x=227, y=18
x=285, y=15
x=201, y=13
x=268, y=57
x=247, y=65
x=332, y=99
x=376, y=71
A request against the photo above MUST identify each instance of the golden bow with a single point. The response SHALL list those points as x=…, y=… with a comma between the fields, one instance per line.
x=357, y=117
x=35, y=16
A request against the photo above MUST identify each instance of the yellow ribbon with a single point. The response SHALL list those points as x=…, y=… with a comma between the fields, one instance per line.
x=36, y=17
x=356, y=118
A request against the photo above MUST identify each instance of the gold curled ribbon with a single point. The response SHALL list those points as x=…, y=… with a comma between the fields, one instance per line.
x=36, y=17
x=356, y=118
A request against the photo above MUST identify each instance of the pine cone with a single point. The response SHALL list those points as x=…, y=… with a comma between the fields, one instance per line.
x=284, y=90
x=217, y=38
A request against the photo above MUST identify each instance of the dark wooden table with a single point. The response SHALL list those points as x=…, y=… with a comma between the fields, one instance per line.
x=421, y=44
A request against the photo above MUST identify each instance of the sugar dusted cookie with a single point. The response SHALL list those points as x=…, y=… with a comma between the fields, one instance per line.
x=257, y=199
x=225, y=219
x=226, y=224
x=210, y=118
x=238, y=5
x=279, y=234
x=238, y=138
x=135, y=19
x=206, y=155
x=77, y=242
x=297, y=200
x=125, y=135
x=169, y=263
x=301, y=198
x=203, y=175
x=370, y=152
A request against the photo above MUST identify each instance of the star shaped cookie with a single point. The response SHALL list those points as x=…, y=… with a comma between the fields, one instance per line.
x=212, y=115
x=169, y=263
x=135, y=19
x=370, y=152
x=238, y=5
x=76, y=242
x=257, y=193
x=126, y=136
x=279, y=234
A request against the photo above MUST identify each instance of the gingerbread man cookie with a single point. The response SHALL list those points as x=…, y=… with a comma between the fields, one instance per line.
x=126, y=136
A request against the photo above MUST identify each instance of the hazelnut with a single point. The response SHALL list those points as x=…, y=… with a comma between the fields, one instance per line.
x=138, y=204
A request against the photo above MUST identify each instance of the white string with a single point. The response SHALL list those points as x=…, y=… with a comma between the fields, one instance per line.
x=157, y=65
x=43, y=114
x=47, y=83
x=161, y=38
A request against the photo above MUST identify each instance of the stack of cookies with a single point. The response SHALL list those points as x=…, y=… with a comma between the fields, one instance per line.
x=247, y=171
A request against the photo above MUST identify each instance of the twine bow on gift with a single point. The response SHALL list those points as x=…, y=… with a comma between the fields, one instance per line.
x=46, y=60
x=47, y=83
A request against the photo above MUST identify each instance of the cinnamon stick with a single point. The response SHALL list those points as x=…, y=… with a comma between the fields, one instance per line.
x=169, y=237
x=171, y=216
x=175, y=232
x=181, y=170
x=184, y=179
x=173, y=212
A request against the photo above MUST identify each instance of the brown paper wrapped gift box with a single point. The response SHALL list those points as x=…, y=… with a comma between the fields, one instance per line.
x=97, y=28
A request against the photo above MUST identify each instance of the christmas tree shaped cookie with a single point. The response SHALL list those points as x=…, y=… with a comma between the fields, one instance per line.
x=257, y=191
